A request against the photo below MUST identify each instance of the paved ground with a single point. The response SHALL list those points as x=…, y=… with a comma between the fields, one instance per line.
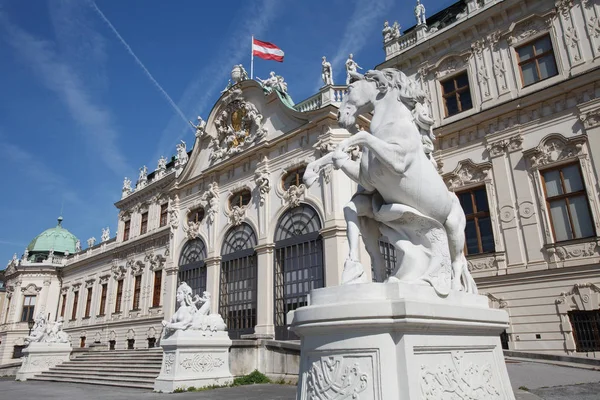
x=543, y=381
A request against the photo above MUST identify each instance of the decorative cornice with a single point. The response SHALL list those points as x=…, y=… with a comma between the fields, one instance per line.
x=467, y=173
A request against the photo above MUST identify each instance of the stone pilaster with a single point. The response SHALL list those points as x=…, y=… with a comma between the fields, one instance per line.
x=213, y=273
x=265, y=302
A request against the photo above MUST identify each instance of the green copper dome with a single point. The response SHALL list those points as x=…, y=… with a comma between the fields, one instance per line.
x=58, y=239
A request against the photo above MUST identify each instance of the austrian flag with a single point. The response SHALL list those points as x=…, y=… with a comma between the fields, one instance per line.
x=266, y=50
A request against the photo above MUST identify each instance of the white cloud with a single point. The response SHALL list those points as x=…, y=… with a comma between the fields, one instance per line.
x=96, y=122
x=256, y=17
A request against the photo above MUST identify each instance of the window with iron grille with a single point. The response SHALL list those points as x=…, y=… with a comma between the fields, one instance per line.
x=192, y=269
x=126, y=228
x=536, y=61
x=298, y=264
x=164, y=214
x=88, y=302
x=456, y=94
x=64, y=305
x=586, y=329
x=28, y=308
x=144, y=224
x=119, y=296
x=388, y=251
x=237, y=297
x=103, y=299
x=293, y=178
x=157, y=286
x=567, y=202
x=137, y=289
x=479, y=237
x=75, y=305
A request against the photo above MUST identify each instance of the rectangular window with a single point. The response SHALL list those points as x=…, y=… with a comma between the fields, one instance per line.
x=28, y=308
x=536, y=61
x=164, y=214
x=144, y=225
x=478, y=232
x=7, y=310
x=64, y=305
x=75, y=304
x=88, y=302
x=157, y=285
x=567, y=201
x=103, y=299
x=456, y=94
x=586, y=329
x=119, y=296
x=137, y=289
x=126, y=230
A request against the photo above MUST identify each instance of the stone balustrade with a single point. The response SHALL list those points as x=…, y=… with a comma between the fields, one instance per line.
x=326, y=95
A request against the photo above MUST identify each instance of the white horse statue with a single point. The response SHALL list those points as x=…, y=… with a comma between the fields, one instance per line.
x=401, y=195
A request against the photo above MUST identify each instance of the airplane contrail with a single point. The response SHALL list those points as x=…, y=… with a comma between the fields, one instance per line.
x=139, y=62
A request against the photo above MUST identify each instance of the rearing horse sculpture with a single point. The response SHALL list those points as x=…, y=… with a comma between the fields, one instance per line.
x=400, y=195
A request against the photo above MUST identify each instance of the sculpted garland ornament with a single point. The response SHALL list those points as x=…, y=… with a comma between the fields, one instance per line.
x=330, y=379
x=239, y=125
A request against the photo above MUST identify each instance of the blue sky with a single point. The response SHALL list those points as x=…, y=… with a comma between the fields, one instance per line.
x=78, y=112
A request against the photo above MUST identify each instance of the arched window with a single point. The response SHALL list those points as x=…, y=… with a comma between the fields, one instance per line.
x=192, y=269
x=237, y=297
x=298, y=263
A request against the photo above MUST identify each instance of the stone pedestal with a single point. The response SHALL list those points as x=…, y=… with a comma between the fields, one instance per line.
x=191, y=359
x=40, y=357
x=397, y=341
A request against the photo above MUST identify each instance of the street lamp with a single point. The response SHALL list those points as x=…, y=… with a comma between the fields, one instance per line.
x=30, y=325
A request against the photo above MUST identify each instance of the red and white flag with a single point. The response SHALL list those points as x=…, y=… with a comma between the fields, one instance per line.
x=266, y=50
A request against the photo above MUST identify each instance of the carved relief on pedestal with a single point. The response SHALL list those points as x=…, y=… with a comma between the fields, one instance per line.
x=336, y=377
x=203, y=362
x=459, y=380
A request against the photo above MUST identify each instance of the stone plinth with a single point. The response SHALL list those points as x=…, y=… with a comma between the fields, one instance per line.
x=396, y=341
x=191, y=359
x=40, y=357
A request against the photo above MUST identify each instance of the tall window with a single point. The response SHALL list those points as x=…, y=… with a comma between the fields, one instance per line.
x=103, y=299
x=88, y=302
x=137, y=288
x=157, y=286
x=126, y=230
x=293, y=178
x=28, y=307
x=566, y=199
x=7, y=309
x=456, y=94
x=144, y=225
x=478, y=232
x=536, y=61
x=119, y=296
x=586, y=329
x=64, y=305
x=75, y=304
x=164, y=214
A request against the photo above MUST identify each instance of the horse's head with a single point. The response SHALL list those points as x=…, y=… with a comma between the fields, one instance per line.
x=373, y=86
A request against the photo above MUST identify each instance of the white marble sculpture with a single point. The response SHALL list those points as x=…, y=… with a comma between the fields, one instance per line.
x=26, y=254
x=326, y=72
x=161, y=167
x=91, y=241
x=105, y=234
x=418, y=215
x=200, y=127
x=420, y=13
x=189, y=317
x=386, y=32
x=182, y=158
x=351, y=67
x=396, y=30
x=44, y=332
x=142, y=177
x=78, y=246
x=126, y=187
x=274, y=82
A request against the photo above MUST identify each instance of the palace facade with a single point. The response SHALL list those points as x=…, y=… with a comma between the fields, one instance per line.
x=514, y=89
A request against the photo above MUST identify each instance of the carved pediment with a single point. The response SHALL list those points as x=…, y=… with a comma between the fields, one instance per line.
x=451, y=64
x=555, y=148
x=467, y=173
x=529, y=27
x=31, y=289
x=238, y=126
x=583, y=296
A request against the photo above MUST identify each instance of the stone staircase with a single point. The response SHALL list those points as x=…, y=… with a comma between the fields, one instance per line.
x=125, y=368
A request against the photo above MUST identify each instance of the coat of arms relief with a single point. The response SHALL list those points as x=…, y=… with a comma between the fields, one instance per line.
x=238, y=126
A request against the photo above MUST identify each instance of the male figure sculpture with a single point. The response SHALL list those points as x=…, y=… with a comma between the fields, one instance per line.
x=351, y=66
x=326, y=72
x=420, y=13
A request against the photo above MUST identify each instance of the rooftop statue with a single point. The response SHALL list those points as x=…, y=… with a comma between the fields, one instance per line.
x=188, y=316
x=200, y=127
x=126, y=187
x=387, y=32
x=143, y=177
x=401, y=195
x=420, y=13
x=351, y=67
x=78, y=246
x=396, y=30
x=44, y=332
x=91, y=241
x=105, y=234
x=326, y=72
x=162, y=164
x=274, y=82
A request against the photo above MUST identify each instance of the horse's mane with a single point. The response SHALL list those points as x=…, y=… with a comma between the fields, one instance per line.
x=387, y=78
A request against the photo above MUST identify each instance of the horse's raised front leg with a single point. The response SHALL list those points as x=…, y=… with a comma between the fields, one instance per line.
x=392, y=155
x=314, y=168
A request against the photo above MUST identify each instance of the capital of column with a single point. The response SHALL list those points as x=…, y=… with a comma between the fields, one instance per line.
x=264, y=248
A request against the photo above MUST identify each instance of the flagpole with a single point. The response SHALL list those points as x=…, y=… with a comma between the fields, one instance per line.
x=252, y=59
